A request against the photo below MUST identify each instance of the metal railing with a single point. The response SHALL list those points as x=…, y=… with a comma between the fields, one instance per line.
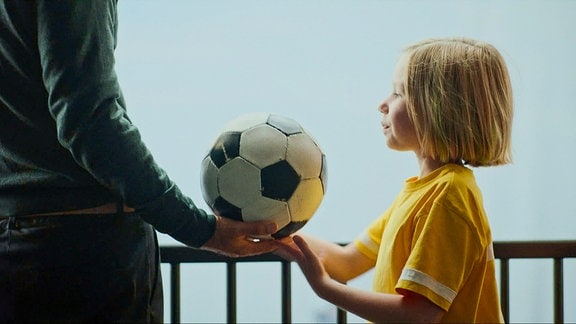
x=555, y=250
x=504, y=251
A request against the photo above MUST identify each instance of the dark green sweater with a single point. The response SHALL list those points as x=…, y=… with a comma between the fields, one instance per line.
x=66, y=141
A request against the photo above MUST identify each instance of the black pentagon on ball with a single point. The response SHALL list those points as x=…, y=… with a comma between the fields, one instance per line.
x=223, y=208
x=226, y=147
x=286, y=125
x=279, y=181
x=289, y=229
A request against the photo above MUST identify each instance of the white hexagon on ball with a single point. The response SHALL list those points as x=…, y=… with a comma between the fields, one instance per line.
x=306, y=199
x=244, y=122
x=267, y=209
x=263, y=145
x=239, y=182
x=304, y=156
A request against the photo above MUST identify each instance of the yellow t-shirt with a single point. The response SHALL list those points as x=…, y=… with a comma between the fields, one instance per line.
x=435, y=240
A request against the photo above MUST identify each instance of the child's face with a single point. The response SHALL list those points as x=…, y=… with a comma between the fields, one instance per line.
x=396, y=124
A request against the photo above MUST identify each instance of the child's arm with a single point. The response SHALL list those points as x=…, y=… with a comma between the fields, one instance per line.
x=342, y=263
x=376, y=307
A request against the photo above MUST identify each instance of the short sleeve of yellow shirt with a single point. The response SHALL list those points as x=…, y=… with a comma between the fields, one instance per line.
x=435, y=240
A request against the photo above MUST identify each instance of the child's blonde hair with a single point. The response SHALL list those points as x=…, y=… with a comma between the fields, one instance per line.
x=459, y=96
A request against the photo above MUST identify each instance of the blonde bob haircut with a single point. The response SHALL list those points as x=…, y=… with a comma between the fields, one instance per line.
x=459, y=97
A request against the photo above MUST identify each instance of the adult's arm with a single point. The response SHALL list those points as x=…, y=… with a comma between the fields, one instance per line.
x=76, y=41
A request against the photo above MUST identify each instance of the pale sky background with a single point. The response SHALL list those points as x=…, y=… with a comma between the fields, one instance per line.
x=188, y=67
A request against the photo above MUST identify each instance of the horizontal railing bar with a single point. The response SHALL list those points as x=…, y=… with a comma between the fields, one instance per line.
x=535, y=249
x=502, y=250
x=182, y=254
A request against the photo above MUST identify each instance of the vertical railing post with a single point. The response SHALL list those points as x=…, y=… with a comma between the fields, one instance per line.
x=505, y=288
x=286, y=292
x=558, y=291
x=231, y=292
x=341, y=317
x=175, y=292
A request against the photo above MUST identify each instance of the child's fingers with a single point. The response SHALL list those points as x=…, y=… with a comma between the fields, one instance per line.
x=304, y=248
x=287, y=249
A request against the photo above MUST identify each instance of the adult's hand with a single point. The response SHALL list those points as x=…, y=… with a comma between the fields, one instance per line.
x=235, y=239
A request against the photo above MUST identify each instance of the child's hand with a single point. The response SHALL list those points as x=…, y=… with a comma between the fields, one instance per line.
x=296, y=249
x=287, y=249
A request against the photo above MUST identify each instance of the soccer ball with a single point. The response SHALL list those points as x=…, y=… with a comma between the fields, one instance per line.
x=265, y=167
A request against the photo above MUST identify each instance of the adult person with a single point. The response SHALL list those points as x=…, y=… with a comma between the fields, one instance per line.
x=80, y=194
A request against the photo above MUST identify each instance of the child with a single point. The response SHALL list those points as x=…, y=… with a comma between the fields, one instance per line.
x=431, y=251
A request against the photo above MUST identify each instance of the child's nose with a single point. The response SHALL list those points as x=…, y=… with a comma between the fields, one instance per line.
x=383, y=108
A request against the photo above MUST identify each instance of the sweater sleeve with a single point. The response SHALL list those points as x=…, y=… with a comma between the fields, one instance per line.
x=76, y=41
